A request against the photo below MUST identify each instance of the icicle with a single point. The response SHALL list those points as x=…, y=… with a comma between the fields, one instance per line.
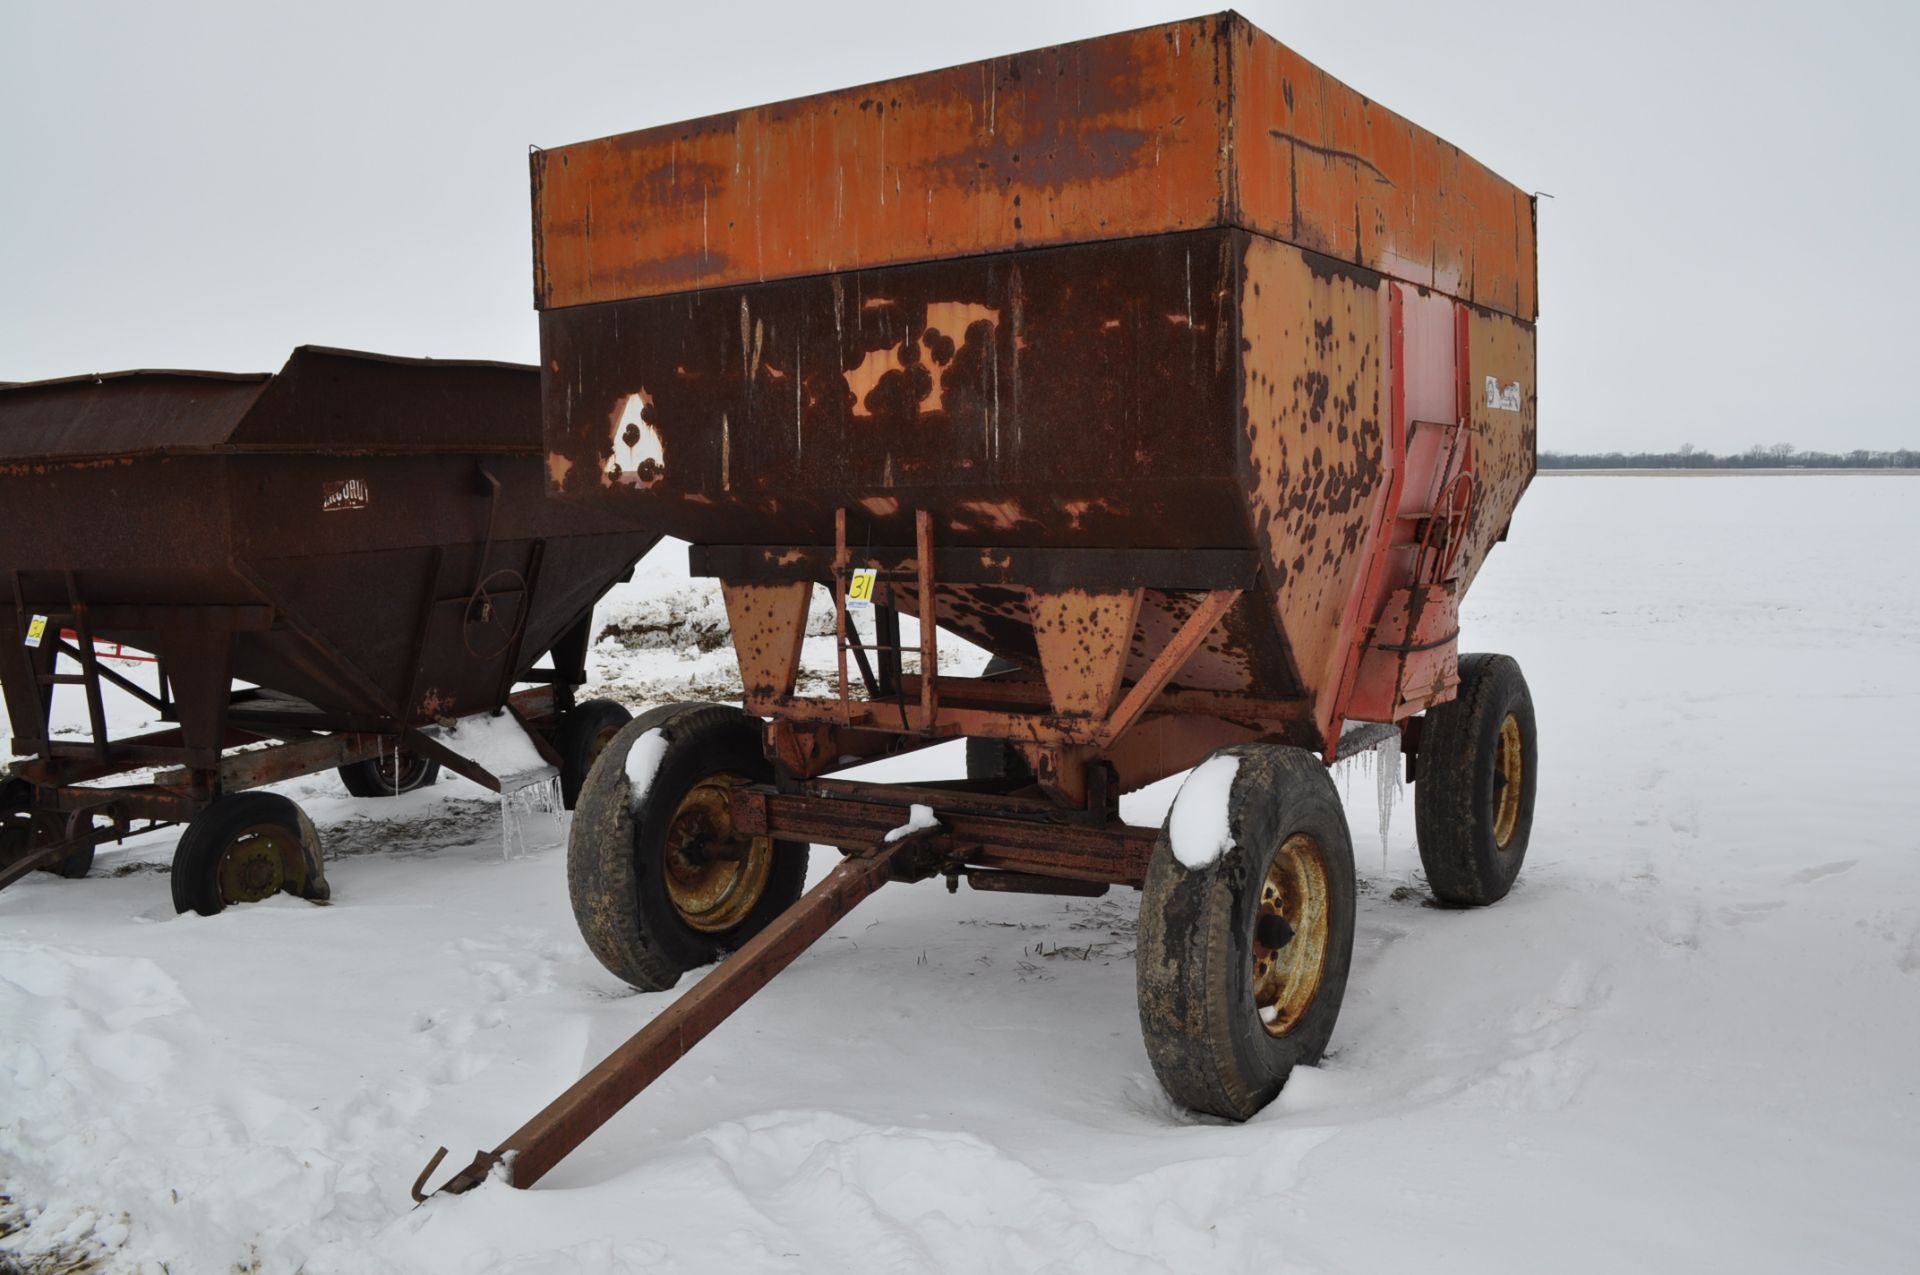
x=1386, y=761
x=539, y=798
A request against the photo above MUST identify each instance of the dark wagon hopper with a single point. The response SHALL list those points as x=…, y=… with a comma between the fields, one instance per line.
x=365, y=540
x=1189, y=382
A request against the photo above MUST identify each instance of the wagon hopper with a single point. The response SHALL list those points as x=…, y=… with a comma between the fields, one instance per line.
x=1189, y=382
x=365, y=541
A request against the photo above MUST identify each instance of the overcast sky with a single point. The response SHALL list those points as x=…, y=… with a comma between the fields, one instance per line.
x=1730, y=257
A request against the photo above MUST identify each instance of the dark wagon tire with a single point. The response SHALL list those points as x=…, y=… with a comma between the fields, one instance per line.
x=996, y=758
x=75, y=864
x=1473, y=800
x=18, y=839
x=651, y=898
x=22, y=830
x=584, y=732
x=391, y=774
x=245, y=848
x=1243, y=962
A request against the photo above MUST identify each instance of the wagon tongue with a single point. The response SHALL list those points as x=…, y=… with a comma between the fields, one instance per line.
x=534, y=1148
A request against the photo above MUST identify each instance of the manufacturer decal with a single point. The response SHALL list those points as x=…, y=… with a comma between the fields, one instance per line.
x=343, y=493
x=1503, y=398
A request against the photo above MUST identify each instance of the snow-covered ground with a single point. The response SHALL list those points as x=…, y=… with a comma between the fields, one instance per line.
x=1689, y=1040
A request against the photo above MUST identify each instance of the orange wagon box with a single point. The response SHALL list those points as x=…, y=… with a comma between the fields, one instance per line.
x=1189, y=382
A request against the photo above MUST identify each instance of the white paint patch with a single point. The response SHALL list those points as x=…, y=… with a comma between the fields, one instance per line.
x=639, y=458
x=1503, y=398
x=643, y=763
x=918, y=819
x=1198, y=824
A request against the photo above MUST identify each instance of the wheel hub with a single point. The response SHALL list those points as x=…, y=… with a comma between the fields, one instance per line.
x=257, y=864
x=1291, y=926
x=400, y=771
x=715, y=876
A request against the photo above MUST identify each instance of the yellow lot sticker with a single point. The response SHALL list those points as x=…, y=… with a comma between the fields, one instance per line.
x=860, y=588
x=36, y=630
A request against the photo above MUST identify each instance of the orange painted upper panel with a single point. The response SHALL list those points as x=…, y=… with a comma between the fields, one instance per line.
x=1324, y=168
x=1095, y=140
x=1206, y=122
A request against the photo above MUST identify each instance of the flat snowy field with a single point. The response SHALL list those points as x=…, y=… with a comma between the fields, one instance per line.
x=1689, y=1040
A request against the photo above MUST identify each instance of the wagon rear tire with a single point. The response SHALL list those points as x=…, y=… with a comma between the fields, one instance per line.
x=22, y=830
x=1243, y=961
x=392, y=774
x=661, y=885
x=245, y=848
x=75, y=864
x=1473, y=800
x=585, y=731
x=18, y=839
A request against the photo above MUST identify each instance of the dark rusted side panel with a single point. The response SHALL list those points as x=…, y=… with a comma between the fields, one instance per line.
x=326, y=400
x=1080, y=397
x=1062, y=397
x=354, y=495
x=120, y=416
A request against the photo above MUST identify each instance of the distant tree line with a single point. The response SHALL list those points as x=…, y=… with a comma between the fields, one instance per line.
x=1778, y=456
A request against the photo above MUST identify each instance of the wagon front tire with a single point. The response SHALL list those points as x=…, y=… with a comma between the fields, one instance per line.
x=392, y=774
x=1473, y=800
x=585, y=731
x=660, y=881
x=245, y=848
x=1243, y=958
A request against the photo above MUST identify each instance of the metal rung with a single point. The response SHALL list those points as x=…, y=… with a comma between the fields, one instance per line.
x=63, y=679
x=859, y=646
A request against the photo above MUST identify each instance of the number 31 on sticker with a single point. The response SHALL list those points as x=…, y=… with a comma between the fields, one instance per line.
x=860, y=588
x=36, y=630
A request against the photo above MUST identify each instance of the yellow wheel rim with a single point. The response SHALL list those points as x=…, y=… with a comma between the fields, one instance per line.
x=1290, y=934
x=259, y=863
x=715, y=877
x=1509, y=770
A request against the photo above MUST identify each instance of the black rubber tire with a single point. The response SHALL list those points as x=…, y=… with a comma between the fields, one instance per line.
x=616, y=864
x=996, y=758
x=196, y=859
x=1204, y=1033
x=1455, y=798
x=584, y=730
x=364, y=778
x=75, y=864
